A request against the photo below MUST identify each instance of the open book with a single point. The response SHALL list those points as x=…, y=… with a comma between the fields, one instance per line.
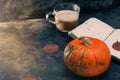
x=95, y=28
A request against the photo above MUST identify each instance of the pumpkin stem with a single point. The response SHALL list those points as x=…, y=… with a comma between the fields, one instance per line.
x=86, y=41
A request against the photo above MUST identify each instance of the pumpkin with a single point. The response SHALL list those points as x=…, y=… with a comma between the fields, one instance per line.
x=87, y=56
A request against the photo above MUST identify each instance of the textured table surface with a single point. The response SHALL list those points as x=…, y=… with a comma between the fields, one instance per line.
x=23, y=53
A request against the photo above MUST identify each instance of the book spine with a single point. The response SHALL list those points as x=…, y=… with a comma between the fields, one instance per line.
x=110, y=34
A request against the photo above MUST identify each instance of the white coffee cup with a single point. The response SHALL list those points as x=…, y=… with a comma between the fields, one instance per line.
x=66, y=16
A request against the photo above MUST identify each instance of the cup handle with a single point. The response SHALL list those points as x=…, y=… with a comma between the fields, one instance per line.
x=47, y=17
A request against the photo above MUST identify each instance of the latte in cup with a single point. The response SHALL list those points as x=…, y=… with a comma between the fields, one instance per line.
x=66, y=20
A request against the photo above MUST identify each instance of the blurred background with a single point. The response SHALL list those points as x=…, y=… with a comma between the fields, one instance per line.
x=11, y=10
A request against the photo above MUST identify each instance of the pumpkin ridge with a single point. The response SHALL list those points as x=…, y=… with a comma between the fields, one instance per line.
x=68, y=52
x=78, y=69
x=108, y=49
x=95, y=54
x=83, y=54
x=68, y=57
x=95, y=58
x=97, y=62
x=101, y=48
x=74, y=63
x=100, y=63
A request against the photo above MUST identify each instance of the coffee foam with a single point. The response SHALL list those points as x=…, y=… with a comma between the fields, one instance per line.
x=67, y=15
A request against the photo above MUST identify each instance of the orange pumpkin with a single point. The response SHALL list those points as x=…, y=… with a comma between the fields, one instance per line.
x=87, y=57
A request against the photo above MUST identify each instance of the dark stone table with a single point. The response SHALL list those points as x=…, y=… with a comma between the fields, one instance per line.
x=23, y=53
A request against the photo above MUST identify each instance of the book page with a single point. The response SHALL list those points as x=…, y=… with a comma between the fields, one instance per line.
x=92, y=28
x=113, y=42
